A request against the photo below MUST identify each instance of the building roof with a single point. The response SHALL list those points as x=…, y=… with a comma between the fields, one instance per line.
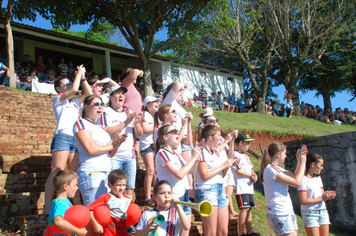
x=69, y=41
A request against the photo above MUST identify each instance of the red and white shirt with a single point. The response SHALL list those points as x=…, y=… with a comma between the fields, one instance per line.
x=244, y=184
x=213, y=160
x=314, y=188
x=147, y=139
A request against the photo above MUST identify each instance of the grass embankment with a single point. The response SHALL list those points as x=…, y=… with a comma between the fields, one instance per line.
x=275, y=126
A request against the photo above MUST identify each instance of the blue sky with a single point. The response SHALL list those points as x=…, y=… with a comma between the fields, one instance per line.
x=340, y=100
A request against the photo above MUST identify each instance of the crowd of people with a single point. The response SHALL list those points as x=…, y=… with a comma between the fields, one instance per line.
x=273, y=107
x=99, y=137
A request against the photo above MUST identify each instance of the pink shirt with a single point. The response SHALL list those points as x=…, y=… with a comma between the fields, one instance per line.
x=133, y=99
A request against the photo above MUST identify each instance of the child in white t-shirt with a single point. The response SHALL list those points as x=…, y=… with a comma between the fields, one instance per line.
x=312, y=198
x=245, y=177
x=146, y=144
x=175, y=219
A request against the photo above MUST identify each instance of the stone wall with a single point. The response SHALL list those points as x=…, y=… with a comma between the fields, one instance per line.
x=339, y=174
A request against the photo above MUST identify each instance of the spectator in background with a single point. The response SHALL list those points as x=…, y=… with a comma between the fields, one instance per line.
x=62, y=68
x=242, y=104
x=27, y=64
x=204, y=95
x=50, y=78
x=233, y=103
x=71, y=70
x=40, y=66
x=157, y=84
x=213, y=101
x=4, y=73
x=254, y=99
x=51, y=66
x=218, y=100
x=229, y=99
x=276, y=108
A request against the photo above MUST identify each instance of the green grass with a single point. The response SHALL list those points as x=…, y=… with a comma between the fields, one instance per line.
x=275, y=126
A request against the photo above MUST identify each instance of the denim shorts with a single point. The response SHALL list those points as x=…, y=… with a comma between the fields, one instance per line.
x=92, y=185
x=315, y=218
x=185, y=198
x=129, y=167
x=186, y=148
x=215, y=194
x=282, y=224
x=148, y=150
x=63, y=142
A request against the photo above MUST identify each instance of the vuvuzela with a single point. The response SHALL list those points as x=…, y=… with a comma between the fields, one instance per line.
x=204, y=208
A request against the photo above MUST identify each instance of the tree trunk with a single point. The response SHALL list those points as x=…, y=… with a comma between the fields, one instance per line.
x=326, y=94
x=10, y=44
x=147, y=82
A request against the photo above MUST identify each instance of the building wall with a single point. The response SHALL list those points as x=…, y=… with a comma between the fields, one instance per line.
x=194, y=77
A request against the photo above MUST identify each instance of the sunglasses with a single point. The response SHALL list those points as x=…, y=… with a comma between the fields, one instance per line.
x=67, y=84
x=173, y=131
x=173, y=111
x=96, y=104
x=214, y=120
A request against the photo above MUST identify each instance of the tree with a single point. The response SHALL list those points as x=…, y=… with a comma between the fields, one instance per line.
x=236, y=29
x=139, y=21
x=302, y=30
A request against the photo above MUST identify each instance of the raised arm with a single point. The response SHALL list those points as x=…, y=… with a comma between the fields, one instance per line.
x=67, y=94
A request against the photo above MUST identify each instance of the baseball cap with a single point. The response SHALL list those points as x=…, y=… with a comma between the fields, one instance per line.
x=208, y=112
x=244, y=138
x=150, y=99
x=117, y=87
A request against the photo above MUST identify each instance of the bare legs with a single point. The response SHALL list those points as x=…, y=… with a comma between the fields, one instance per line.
x=59, y=161
x=150, y=177
x=217, y=223
x=228, y=190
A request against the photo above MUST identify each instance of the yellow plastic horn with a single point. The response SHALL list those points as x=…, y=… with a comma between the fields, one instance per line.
x=204, y=208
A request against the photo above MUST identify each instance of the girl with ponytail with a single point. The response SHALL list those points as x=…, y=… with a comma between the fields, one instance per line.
x=280, y=214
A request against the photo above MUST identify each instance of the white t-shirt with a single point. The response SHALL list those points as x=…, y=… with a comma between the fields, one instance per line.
x=111, y=117
x=314, y=188
x=147, y=139
x=171, y=225
x=276, y=193
x=179, y=186
x=244, y=184
x=213, y=160
x=67, y=113
x=91, y=163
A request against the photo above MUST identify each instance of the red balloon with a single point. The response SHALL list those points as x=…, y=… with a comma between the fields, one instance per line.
x=102, y=215
x=78, y=215
x=133, y=214
x=48, y=231
x=57, y=230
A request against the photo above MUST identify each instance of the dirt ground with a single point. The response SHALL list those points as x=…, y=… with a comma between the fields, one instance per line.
x=265, y=139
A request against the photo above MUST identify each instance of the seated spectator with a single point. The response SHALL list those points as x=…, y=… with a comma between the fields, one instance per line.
x=26, y=85
x=226, y=106
x=71, y=70
x=233, y=104
x=50, y=66
x=242, y=104
x=254, y=100
x=157, y=84
x=276, y=108
x=213, y=101
x=230, y=97
x=49, y=78
x=269, y=111
x=62, y=68
x=218, y=100
x=40, y=66
x=268, y=105
x=4, y=73
x=27, y=63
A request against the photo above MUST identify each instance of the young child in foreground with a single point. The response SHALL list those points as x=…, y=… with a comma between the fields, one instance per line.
x=245, y=178
x=117, y=203
x=312, y=198
x=175, y=219
x=65, y=183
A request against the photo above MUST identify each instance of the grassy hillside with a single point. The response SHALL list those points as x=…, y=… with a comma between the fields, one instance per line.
x=276, y=126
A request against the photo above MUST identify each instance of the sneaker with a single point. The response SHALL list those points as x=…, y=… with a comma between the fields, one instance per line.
x=131, y=229
x=149, y=202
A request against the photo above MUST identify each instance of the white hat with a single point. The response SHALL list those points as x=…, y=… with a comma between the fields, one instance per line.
x=117, y=87
x=208, y=112
x=150, y=99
